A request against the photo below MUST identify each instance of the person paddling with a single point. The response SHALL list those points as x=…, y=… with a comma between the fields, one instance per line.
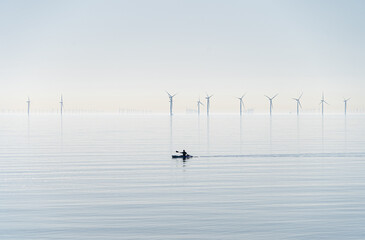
x=184, y=153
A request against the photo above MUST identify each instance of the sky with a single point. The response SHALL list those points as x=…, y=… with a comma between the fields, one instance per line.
x=109, y=55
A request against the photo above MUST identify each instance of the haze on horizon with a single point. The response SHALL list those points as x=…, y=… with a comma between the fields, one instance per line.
x=107, y=55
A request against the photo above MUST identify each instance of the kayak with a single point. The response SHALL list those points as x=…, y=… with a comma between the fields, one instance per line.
x=181, y=156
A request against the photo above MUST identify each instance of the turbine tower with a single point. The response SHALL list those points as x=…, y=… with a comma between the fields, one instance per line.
x=298, y=103
x=270, y=99
x=28, y=102
x=171, y=101
x=208, y=99
x=61, y=104
x=199, y=103
x=322, y=102
x=241, y=103
x=345, y=101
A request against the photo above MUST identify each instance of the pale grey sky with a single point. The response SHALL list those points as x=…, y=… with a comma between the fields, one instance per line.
x=125, y=54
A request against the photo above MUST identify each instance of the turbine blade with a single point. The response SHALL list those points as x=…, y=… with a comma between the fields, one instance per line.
x=300, y=104
x=168, y=93
x=267, y=96
x=300, y=96
x=275, y=95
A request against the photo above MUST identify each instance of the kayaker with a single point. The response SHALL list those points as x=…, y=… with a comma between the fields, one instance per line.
x=184, y=153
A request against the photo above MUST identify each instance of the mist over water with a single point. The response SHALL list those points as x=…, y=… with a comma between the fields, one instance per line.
x=110, y=176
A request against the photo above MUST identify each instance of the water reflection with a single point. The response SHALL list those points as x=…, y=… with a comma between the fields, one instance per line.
x=171, y=144
x=61, y=122
x=181, y=162
x=184, y=161
x=61, y=133
x=241, y=130
x=131, y=183
x=322, y=133
x=28, y=128
x=199, y=140
x=298, y=134
x=345, y=133
x=208, y=135
x=270, y=134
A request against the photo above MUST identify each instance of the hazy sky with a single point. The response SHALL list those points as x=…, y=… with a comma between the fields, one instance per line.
x=125, y=54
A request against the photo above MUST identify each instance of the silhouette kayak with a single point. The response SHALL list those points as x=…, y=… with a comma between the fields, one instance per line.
x=181, y=156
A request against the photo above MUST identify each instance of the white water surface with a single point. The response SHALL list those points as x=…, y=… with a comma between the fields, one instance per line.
x=110, y=176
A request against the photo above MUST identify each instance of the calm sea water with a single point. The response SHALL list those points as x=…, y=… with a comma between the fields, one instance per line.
x=112, y=177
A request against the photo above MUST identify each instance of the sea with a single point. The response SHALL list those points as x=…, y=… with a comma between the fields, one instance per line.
x=111, y=176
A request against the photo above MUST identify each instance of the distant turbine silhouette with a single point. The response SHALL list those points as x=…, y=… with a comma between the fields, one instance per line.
x=270, y=99
x=28, y=102
x=241, y=103
x=171, y=101
x=298, y=103
x=208, y=103
x=199, y=103
x=345, y=101
x=322, y=102
x=61, y=104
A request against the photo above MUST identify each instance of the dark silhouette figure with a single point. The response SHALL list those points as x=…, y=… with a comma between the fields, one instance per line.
x=184, y=155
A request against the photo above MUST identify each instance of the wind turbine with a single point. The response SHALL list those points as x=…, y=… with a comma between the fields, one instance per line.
x=270, y=99
x=61, y=104
x=171, y=101
x=199, y=103
x=345, y=101
x=298, y=103
x=241, y=103
x=322, y=102
x=208, y=99
x=28, y=102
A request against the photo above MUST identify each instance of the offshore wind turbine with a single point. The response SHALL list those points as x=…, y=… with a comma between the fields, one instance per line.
x=199, y=103
x=322, y=102
x=28, y=103
x=208, y=102
x=270, y=99
x=171, y=101
x=241, y=103
x=298, y=103
x=61, y=104
x=345, y=101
